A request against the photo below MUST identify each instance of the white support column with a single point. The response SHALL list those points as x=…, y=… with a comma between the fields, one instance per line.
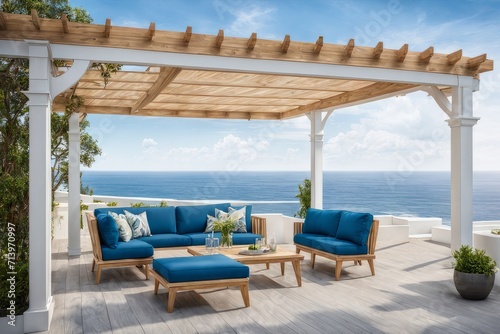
x=74, y=248
x=461, y=125
x=317, y=134
x=38, y=316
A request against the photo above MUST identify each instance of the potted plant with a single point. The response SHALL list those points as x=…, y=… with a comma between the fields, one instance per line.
x=474, y=274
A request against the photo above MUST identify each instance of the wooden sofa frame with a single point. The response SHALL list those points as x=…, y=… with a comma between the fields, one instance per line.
x=369, y=256
x=101, y=264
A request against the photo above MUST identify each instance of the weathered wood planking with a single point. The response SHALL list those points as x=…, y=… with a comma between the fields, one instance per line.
x=412, y=292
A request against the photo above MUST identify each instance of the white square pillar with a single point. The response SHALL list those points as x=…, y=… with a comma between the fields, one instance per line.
x=461, y=125
x=38, y=315
x=74, y=247
x=316, y=159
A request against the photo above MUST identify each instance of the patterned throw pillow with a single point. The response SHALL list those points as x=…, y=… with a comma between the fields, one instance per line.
x=237, y=215
x=210, y=223
x=138, y=223
x=123, y=226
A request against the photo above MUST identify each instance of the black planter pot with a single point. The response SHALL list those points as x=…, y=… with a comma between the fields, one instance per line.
x=473, y=286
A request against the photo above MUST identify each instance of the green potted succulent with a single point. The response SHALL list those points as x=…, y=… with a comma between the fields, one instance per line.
x=474, y=274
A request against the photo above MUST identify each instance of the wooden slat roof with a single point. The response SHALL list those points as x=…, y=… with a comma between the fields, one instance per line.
x=189, y=92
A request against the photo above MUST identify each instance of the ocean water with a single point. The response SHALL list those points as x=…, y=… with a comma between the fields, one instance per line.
x=422, y=194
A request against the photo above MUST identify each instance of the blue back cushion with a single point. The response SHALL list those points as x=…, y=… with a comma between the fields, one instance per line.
x=355, y=227
x=191, y=219
x=324, y=222
x=160, y=219
x=108, y=230
x=248, y=216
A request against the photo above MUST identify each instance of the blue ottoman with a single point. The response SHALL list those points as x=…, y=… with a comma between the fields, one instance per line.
x=199, y=272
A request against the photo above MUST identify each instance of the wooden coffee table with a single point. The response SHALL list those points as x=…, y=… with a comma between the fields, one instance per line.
x=279, y=256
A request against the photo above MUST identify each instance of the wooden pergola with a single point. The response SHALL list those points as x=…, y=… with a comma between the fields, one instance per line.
x=187, y=74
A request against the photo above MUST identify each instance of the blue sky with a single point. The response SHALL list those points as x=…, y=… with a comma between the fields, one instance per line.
x=407, y=133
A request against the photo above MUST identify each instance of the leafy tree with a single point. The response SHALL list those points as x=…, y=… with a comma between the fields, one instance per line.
x=304, y=197
x=14, y=150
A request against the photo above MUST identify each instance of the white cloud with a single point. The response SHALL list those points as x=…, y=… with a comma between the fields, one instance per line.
x=249, y=19
x=149, y=146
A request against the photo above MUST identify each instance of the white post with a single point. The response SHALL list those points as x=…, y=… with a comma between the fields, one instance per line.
x=317, y=126
x=461, y=125
x=74, y=248
x=38, y=316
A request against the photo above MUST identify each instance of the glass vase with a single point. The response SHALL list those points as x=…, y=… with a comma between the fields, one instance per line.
x=227, y=240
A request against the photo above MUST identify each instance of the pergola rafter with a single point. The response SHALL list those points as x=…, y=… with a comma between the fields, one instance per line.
x=255, y=96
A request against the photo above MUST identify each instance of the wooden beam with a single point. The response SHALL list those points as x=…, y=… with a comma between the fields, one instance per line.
x=454, y=57
x=107, y=28
x=3, y=24
x=64, y=22
x=426, y=55
x=365, y=93
x=285, y=44
x=151, y=31
x=401, y=53
x=166, y=76
x=318, y=45
x=348, y=48
x=34, y=19
x=377, y=50
x=252, y=41
x=188, y=34
x=219, y=39
x=473, y=63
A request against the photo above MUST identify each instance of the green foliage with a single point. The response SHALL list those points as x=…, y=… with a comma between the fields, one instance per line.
x=304, y=197
x=473, y=261
x=144, y=205
x=83, y=207
x=14, y=150
x=225, y=226
x=496, y=231
x=112, y=203
x=60, y=146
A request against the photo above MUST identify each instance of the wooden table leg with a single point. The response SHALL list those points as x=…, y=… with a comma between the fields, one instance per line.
x=172, y=293
x=282, y=264
x=296, y=269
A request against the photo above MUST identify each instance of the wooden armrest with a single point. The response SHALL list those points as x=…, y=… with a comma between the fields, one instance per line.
x=259, y=226
x=297, y=227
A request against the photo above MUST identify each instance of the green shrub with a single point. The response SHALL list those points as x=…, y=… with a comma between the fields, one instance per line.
x=112, y=203
x=473, y=261
x=304, y=197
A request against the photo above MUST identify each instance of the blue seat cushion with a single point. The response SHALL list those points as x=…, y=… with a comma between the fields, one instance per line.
x=160, y=219
x=199, y=268
x=355, y=227
x=338, y=247
x=192, y=219
x=324, y=222
x=306, y=239
x=167, y=240
x=108, y=230
x=133, y=249
x=198, y=239
x=245, y=238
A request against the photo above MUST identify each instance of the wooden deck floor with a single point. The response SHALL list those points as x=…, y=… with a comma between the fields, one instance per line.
x=412, y=292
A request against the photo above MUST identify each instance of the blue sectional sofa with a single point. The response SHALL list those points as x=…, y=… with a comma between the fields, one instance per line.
x=167, y=227
x=338, y=235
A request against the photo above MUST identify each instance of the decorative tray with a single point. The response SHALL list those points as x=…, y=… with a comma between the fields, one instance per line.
x=253, y=252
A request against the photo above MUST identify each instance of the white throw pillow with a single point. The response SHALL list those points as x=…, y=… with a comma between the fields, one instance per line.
x=138, y=223
x=123, y=226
